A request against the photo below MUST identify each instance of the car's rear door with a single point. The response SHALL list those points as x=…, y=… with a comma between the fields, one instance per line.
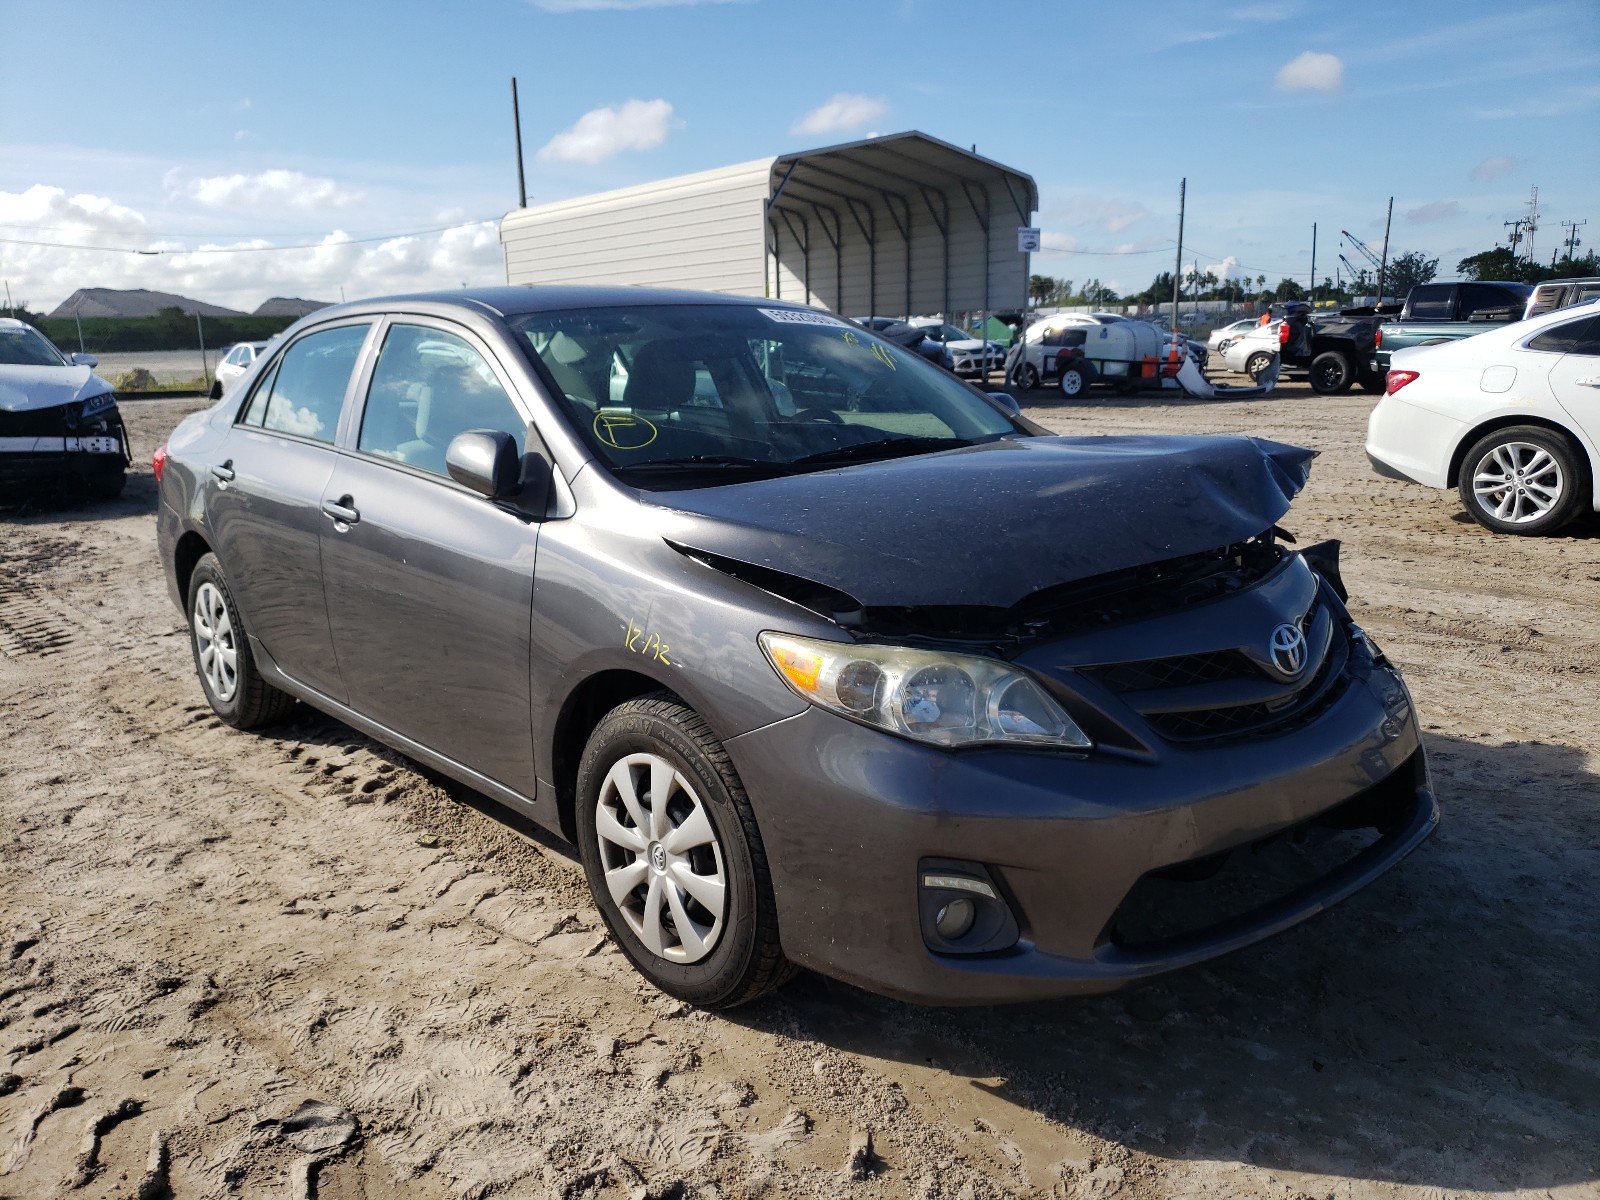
x=429, y=585
x=264, y=498
x=1575, y=377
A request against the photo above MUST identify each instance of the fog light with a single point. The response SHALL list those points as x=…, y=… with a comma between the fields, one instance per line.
x=955, y=919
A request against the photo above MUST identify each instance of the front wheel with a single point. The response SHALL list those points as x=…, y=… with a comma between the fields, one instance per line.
x=1256, y=364
x=222, y=658
x=1026, y=377
x=1525, y=479
x=674, y=858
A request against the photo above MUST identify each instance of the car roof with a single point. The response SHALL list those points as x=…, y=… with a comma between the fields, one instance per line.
x=521, y=301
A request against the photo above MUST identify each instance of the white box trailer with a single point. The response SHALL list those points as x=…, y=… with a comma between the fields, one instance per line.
x=903, y=224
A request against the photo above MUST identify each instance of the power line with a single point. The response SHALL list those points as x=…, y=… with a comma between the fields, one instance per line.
x=382, y=237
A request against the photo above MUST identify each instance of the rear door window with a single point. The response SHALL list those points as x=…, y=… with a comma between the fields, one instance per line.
x=1480, y=298
x=304, y=392
x=1433, y=302
x=1570, y=337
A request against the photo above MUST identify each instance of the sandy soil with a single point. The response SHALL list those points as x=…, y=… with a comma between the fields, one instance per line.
x=205, y=929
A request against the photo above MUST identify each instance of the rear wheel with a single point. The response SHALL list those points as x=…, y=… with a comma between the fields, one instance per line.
x=222, y=656
x=1257, y=363
x=674, y=858
x=1525, y=479
x=1331, y=373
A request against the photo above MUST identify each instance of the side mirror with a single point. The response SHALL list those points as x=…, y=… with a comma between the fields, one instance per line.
x=1005, y=401
x=85, y=360
x=485, y=461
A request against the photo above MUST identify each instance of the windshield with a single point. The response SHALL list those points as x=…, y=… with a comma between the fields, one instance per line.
x=25, y=348
x=728, y=389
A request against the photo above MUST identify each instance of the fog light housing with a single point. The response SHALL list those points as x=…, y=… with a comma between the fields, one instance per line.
x=961, y=908
x=955, y=919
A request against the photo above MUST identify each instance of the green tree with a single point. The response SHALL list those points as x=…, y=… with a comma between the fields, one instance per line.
x=1097, y=293
x=1406, y=271
x=1288, y=289
x=1042, y=288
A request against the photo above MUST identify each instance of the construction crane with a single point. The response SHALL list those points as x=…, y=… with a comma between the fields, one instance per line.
x=1366, y=251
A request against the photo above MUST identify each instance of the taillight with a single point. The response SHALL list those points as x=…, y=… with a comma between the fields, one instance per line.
x=158, y=460
x=1283, y=334
x=1396, y=380
x=1378, y=340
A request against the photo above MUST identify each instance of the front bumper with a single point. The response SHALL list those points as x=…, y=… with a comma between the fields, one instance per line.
x=1067, y=838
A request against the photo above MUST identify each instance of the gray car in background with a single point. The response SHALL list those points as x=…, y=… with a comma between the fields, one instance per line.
x=820, y=656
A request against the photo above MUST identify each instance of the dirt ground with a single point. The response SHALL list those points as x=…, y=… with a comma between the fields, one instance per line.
x=207, y=928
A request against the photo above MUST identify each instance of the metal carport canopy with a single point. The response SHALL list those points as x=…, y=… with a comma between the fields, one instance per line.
x=903, y=224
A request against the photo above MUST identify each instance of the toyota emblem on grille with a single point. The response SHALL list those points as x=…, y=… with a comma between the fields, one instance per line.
x=1288, y=647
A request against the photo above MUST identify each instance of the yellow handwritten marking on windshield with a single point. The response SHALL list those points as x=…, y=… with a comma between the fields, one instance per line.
x=624, y=431
x=883, y=356
x=650, y=645
x=850, y=338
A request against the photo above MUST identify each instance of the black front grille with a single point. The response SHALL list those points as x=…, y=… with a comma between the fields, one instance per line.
x=1325, y=686
x=1182, y=670
x=34, y=422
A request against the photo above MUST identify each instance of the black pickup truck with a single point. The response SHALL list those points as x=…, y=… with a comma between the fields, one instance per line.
x=1333, y=349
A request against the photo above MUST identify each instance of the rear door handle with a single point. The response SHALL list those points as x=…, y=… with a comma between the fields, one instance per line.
x=342, y=513
x=1591, y=381
x=224, y=472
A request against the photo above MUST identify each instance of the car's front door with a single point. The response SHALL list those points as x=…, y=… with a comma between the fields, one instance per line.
x=429, y=585
x=264, y=496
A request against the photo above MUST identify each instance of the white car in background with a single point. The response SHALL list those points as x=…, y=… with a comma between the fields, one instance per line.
x=1509, y=417
x=239, y=359
x=1225, y=335
x=964, y=354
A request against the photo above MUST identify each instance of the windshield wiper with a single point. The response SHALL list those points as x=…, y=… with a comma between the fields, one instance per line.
x=703, y=462
x=883, y=448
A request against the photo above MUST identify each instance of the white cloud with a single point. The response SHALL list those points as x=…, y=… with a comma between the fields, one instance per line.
x=1437, y=210
x=603, y=132
x=269, y=190
x=842, y=111
x=1311, y=72
x=1228, y=268
x=43, y=276
x=1050, y=239
x=1493, y=168
x=568, y=6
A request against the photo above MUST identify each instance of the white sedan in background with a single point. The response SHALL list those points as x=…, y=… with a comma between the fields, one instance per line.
x=239, y=359
x=1225, y=335
x=1509, y=417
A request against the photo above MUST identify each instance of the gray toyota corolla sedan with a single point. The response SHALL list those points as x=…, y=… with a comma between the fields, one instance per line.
x=820, y=656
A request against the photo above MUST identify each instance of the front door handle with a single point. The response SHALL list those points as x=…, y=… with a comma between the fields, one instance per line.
x=342, y=513
x=1590, y=381
x=224, y=472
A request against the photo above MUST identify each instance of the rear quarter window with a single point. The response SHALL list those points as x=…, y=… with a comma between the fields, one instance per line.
x=1431, y=302
x=1570, y=337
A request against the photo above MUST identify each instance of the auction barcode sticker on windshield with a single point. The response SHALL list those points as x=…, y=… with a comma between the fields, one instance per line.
x=791, y=316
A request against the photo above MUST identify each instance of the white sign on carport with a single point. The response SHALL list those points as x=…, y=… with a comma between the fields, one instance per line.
x=903, y=224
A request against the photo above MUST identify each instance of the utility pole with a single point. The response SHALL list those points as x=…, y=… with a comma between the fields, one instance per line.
x=11, y=312
x=1531, y=223
x=1383, y=266
x=1514, y=238
x=1177, y=270
x=205, y=367
x=1570, y=226
x=1313, y=292
x=516, y=125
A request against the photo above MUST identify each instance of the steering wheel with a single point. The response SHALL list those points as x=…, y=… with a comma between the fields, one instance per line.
x=826, y=415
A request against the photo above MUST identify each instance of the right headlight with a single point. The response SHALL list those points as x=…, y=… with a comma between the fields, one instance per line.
x=927, y=695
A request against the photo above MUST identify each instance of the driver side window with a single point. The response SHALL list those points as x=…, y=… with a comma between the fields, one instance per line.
x=427, y=387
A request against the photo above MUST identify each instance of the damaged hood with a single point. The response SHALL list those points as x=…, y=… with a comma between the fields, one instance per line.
x=25, y=389
x=993, y=523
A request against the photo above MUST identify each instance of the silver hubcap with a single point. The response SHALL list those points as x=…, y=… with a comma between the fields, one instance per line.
x=214, y=644
x=1518, y=482
x=662, y=863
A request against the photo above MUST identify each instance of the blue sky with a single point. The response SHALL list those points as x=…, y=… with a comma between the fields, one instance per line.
x=203, y=127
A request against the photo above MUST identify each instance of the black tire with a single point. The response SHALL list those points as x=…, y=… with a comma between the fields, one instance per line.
x=746, y=960
x=1026, y=377
x=1224, y=344
x=1561, y=485
x=1073, y=382
x=1331, y=373
x=1257, y=363
x=1374, y=384
x=216, y=390
x=252, y=702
